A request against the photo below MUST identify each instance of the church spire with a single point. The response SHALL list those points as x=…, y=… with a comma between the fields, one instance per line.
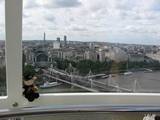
x=44, y=41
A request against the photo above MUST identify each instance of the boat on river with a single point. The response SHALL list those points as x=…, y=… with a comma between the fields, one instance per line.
x=49, y=84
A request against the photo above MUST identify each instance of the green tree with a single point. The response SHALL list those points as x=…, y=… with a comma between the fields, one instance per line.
x=28, y=71
x=2, y=76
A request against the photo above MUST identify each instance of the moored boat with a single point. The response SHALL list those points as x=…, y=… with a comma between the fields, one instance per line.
x=49, y=84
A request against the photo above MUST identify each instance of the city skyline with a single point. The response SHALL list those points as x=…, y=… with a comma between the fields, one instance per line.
x=116, y=21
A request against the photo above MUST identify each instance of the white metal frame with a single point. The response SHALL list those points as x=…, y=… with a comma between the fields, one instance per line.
x=14, y=75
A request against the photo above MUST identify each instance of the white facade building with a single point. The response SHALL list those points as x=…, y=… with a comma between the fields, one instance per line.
x=56, y=45
x=116, y=54
x=154, y=56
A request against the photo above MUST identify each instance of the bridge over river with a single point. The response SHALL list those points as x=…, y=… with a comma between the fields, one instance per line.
x=87, y=83
x=137, y=82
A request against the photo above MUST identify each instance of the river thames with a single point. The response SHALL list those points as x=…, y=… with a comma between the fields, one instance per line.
x=137, y=82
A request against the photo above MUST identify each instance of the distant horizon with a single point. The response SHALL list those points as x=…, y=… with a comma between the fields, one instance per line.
x=93, y=42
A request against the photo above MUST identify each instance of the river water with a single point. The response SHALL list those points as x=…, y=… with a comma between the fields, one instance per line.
x=138, y=82
x=147, y=82
x=63, y=88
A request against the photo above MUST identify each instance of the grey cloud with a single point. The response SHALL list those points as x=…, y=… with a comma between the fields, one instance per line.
x=71, y=19
x=67, y=3
x=141, y=29
x=63, y=3
x=31, y=4
x=50, y=18
x=52, y=28
x=96, y=8
x=25, y=15
x=125, y=4
x=2, y=25
x=156, y=5
x=145, y=16
x=78, y=28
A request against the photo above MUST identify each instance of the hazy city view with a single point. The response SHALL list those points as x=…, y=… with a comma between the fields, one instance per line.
x=103, y=46
x=70, y=66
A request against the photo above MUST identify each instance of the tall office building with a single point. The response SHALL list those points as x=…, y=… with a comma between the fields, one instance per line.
x=58, y=39
x=57, y=43
x=65, y=40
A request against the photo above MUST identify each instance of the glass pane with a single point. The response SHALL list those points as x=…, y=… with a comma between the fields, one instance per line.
x=2, y=50
x=98, y=46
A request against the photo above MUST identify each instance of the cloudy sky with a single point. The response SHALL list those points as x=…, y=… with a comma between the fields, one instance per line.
x=123, y=21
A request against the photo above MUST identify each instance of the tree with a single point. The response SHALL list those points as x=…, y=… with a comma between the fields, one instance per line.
x=28, y=72
x=2, y=76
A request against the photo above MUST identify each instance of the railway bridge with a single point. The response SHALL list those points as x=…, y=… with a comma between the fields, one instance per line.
x=87, y=83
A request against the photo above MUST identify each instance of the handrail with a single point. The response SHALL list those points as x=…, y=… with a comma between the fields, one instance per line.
x=44, y=110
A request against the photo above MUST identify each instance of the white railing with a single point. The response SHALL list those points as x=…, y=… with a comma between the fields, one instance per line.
x=61, y=110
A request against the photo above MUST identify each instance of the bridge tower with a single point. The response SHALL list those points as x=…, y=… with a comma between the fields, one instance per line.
x=136, y=85
x=70, y=70
x=90, y=79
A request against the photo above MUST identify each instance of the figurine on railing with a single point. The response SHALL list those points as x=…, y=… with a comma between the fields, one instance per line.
x=30, y=89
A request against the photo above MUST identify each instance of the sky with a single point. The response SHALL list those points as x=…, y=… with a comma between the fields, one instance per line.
x=122, y=21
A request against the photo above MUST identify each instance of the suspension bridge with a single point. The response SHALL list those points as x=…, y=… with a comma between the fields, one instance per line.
x=87, y=83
